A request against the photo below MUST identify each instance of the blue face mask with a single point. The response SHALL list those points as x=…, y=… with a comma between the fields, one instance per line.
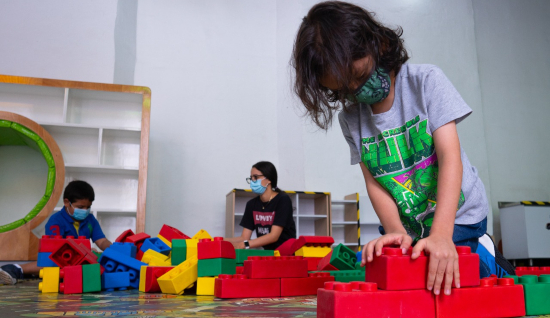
x=80, y=214
x=257, y=187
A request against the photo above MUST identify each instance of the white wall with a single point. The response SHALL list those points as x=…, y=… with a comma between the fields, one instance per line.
x=221, y=90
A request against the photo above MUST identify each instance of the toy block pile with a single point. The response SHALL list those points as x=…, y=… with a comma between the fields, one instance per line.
x=395, y=286
x=341, y=262
x=536, y=293
x=532, y=270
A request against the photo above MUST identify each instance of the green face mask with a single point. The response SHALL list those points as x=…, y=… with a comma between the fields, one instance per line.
x=374, y=90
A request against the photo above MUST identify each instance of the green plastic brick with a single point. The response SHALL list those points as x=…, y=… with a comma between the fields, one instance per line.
x=242, y=255
x=216, y=266
x=179, y=251
x=91, y=278
x=343, y=258
x=537, y=293
x=346, y=276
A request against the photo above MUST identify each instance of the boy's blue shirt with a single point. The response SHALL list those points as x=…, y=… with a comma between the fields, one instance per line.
x=61, y=223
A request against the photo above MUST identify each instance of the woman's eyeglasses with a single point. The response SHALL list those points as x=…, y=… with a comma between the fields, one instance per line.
x=253, y=178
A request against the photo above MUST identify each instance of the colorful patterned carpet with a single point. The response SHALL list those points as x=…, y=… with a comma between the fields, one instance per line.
x=24, y=300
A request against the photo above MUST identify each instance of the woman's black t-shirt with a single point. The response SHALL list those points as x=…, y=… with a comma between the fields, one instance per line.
x=261, y=216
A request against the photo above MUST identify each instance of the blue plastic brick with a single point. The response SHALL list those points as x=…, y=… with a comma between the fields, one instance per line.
x=44, y=260
x=156, y=245
x=114, y=261
x=127, y=249
x=117, y=280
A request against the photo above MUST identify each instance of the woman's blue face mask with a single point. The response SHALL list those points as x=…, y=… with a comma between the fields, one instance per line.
x=257, y=186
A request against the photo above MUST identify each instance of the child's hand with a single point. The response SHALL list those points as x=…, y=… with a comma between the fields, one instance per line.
x=443, y=262
x=402, y=239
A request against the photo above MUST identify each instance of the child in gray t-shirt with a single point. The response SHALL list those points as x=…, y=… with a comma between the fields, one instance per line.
x=400, y=123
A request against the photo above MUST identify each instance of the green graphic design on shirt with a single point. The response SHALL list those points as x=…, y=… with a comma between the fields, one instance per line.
x=404, y=162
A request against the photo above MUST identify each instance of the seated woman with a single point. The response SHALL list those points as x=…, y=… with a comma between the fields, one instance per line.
x=270, y=213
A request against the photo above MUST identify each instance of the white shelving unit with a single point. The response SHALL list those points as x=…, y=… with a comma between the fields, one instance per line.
x=369, y=220
x=345, y=222
x=311, y=211
x=102, y=131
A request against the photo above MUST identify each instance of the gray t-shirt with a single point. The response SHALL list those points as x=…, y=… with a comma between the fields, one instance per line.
x=397, y=147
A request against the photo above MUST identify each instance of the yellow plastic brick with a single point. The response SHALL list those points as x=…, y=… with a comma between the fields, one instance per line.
x=179, y=278
x=310, y=251
x=205, y=286
x=50, y=280
x=153, y=256
x=276, y=253
x=158, y=262
x=201, y=234
x=165, y=240
x=191, y=247
x=142, y=275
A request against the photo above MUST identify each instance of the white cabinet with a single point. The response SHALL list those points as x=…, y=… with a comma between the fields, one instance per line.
x=345, y=221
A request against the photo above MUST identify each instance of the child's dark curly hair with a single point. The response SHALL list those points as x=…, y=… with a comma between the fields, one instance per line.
x=331, y=37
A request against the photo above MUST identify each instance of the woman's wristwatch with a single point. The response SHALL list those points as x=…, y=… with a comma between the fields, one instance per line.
x=246, y=245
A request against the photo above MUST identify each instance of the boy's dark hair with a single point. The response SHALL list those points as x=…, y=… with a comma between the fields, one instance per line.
x=269, y=172
x=79, y=190
x=331, y=37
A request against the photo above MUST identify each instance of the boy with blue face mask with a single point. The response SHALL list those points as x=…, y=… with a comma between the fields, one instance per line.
x=74, y=219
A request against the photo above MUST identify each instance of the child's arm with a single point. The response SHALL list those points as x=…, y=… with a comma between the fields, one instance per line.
x=386, y=209
x=103, y=243
x=439, y=244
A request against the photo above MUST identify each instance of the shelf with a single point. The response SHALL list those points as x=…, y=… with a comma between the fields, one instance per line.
x=71, y=125
x=344, y=223
x=344, y=202
x=102, y=169
x=313, y=216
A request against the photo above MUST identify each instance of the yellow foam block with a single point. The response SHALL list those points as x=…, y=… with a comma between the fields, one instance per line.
x=142, y=275
x=276, y=253
x=153, y=256
x=191, y=248
x=310, y=251
x=50, y=280
x=202, y=234
x=165, y=240
x=179, y=278
x=205, y=286
x=158, y=262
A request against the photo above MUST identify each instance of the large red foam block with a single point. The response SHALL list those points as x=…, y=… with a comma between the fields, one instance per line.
x=72, y=280
x=171, y=233
x=493, y=298
x=520, y=270
x=395, y=271
x=137, y=239
x=304, y=286
x=218, y=248
x=122, y=237
x=275, y=267
x=152, y=273
x=324, y=263
x=71, y=253
x=312, y=263
x=323, y=241
x=285, y=249
x=362, y=299
x=50, y=243
x=239, y=286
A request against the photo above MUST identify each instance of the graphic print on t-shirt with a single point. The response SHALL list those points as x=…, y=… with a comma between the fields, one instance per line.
x=404, y=162
x=263, y=221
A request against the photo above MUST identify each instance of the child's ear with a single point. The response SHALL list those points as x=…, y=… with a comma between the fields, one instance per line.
x=66, y=202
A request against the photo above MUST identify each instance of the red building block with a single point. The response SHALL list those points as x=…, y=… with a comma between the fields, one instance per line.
x=50, y=243
x=137, y=239
x=324, y=263
x=122, y=237
x=72, y=280
x=521, y=270
x=324, y=241
x=218, y=248
x=394, y=271
x=70, y=253
x=312, y=263
x=239, y=269
x=304, y=286
x=285, y=249
x=275, y=267
x=170, y=233
x=151, y=275
x=239, y=286
x=493, y=298
x=361, y=299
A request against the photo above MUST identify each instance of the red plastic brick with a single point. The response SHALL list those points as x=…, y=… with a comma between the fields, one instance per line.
x=361, y=299
x=324, y=241
x=171, y=233
x=239, y=286
x=122, y=237
x=69, y=254
x=394, y=271
x=51, y=243
x=304, y=286
x=493, y=298
x=218, y=248
x=275, y=267
x=72, y=280
x=152, y=273
x=312, y=263
x=324, y=263
x=137, y=239
x=285, y=249
x=521, y=270
x=239, y=270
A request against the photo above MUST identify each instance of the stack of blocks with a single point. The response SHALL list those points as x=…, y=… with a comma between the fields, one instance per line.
x=341, y=263
x=312, y=248
x=214, y=258
x=74, y=279
x=536, y=293
x=49, y=244
x=396, y=287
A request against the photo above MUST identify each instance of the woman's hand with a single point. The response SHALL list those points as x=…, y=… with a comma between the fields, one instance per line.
x=238, y=245
x=443, y=262
x=375, y=246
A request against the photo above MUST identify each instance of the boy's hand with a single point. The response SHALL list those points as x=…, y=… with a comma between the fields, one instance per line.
x=443, y=262
x=402, y=239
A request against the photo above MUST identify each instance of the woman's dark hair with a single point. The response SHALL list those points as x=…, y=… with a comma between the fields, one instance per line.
x=269, y=171
x=79, y=190
x=331, y=37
